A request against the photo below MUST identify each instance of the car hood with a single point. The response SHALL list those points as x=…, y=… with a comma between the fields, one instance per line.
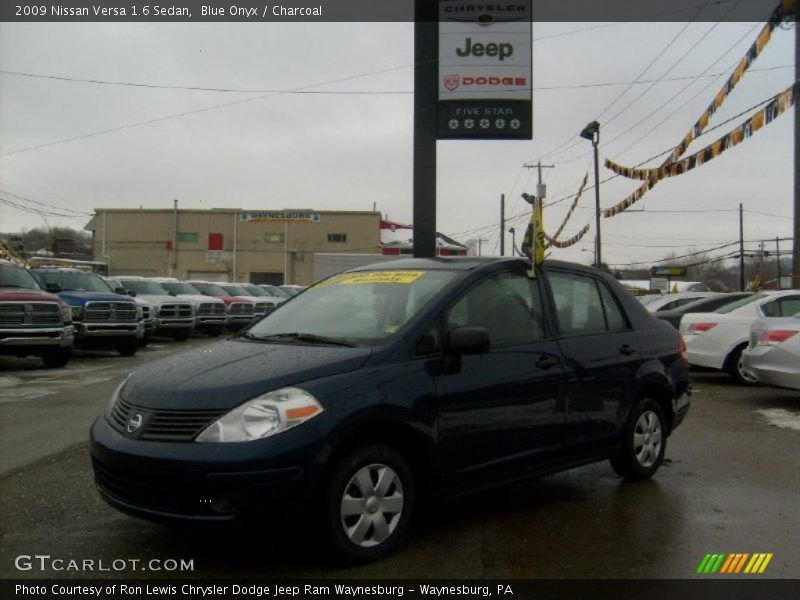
x=158, y=299
x=199, y=299
x=77, y=298
x=9, y=294
x=224, y=374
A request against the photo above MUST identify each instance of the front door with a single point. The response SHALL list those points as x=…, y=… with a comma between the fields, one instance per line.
x=502, y=407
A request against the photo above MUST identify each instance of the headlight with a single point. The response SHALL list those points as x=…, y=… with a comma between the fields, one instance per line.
x=263, y=416
x=66, y=313
x=77, y=313
x=139, y=313
x=115, y=396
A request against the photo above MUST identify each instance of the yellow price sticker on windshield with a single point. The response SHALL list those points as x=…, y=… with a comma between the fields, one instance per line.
x=402, y=277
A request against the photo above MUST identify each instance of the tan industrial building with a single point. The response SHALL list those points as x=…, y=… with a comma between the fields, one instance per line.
x=260, y=246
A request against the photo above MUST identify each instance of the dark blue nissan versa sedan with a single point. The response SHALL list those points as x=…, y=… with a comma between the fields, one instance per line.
x=386, y=382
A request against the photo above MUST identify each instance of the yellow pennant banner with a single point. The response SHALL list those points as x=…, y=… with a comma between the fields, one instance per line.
x=762, y=118
x=765, y=35
x=571, y=208
x=533, y=244
x=552, y=241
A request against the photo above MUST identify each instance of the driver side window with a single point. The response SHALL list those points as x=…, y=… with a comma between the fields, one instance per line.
x=508, y=306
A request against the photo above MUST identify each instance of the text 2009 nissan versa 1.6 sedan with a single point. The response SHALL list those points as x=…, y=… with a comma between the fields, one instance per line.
x=383, y=383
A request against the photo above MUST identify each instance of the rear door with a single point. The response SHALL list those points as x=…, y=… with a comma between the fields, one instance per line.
x=601, y=355
x=504, y=407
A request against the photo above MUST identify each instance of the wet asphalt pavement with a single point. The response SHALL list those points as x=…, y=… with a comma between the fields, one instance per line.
x=731, y=483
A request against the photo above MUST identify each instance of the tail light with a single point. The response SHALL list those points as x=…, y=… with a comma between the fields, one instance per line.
x=700, y=327
x=773, y=338
x=682, y=350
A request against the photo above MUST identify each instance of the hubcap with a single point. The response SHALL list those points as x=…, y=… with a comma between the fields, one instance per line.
x=371, y=505
x=647, y=439
x=743, y=373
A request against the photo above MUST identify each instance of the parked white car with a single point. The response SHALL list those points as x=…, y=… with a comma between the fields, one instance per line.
x=773, y=356
x=717, y=340
x=173, y=317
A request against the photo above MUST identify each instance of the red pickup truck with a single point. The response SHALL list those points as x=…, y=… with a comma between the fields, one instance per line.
x=32, y=322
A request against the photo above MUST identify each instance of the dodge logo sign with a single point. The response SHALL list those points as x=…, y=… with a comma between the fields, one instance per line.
x=134, y=423
x=451, y=82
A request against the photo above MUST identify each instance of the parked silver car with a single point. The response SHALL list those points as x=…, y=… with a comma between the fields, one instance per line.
x=773, y=356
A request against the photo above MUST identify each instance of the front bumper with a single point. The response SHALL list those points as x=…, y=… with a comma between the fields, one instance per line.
x=174, y=324
x=215, y=322
x=189, y=481
x=32, y=338
x=86, y=332
x=236, y=322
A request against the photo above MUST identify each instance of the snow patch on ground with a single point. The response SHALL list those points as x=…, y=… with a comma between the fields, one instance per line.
x=778, y=417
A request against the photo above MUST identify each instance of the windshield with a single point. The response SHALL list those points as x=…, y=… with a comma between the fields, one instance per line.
x=236, y=290
x=645, y=300
x=74, y=281
x=144, y=287
x=211, y=289
x=254, y=290
x=180, y=288
x=364, y=307
x=738, y=304
x=276, y=291
x=14, y=277
x=291, y=291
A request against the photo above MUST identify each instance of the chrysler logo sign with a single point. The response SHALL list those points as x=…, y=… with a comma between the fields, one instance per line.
x=134, y=422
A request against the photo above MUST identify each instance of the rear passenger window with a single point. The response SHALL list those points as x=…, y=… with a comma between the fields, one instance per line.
x=584, y=305
x=508, y=306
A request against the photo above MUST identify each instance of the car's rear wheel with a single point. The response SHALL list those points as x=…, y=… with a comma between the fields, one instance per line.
x=644, y=442
x=736, y=367
x=369, y=500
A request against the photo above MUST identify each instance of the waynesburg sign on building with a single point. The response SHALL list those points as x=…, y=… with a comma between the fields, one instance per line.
x=279, y=216
x=485, y=69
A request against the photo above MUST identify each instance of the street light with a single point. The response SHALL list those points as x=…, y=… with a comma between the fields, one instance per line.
x=513, y=232
x=592, y=133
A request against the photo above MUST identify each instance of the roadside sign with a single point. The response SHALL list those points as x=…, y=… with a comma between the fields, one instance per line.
x=659, y=283
x=485, y=70
x=280, y=216
x=668, y=271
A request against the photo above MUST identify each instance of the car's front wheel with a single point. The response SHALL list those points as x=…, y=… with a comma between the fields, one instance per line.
x=369, y=500
x=127, y=349
x=736, y=367
x=643, y=443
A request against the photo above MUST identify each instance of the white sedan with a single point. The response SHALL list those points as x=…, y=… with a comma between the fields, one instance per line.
x=671, y=301
x=717, y=340
x=773, y=356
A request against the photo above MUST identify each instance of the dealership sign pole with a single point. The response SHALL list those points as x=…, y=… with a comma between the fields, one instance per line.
x=472, y=80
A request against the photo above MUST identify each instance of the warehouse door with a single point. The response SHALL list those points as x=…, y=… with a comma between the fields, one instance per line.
x=268, y=278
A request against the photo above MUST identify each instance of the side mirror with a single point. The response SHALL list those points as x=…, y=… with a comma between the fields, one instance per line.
x=53, y=288
x=463, y=340
x=130, y=293
x=173, y=294
x=468, y=340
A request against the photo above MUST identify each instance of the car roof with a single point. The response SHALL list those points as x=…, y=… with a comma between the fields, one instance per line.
x=461, y=263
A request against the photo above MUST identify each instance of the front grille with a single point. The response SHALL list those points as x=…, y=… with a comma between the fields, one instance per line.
x=146, y=313
x=30, y=313
x=211, y=310
x=175, y=310
x=241, y=308
x=110, y=312
x=149, y=491
x=261, y=307
x=164, y=425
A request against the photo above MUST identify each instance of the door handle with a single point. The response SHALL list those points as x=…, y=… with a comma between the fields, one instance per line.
x=545, y=362
x=627, y=350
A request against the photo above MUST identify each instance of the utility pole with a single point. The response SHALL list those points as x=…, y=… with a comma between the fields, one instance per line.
x=502, y=224
x=778, y=259
x=741, y=248
x=174, y=238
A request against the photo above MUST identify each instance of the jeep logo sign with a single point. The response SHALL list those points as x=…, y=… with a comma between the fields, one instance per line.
x=502, y=50
x=485, y=70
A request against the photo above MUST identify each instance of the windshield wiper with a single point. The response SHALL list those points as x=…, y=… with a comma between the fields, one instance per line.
x=309, y=337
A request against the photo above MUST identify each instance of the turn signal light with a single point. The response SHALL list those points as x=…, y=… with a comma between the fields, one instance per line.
x=700, y=327
x=773, y=338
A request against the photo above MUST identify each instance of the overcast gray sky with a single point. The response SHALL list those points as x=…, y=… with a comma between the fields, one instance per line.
x=346, y=152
